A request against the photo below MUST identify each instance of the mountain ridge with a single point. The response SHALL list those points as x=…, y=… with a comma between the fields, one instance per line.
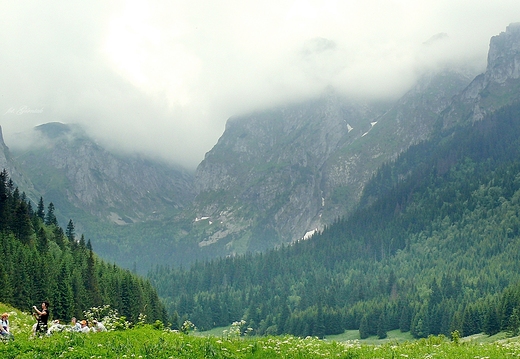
x=273, y=177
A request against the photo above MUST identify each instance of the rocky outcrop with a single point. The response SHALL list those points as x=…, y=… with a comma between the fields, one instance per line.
x=499, y=85
x=70, y=168
x=504, y=56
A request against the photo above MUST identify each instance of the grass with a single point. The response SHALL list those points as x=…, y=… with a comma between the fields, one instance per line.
x=147, y=342
x=394, y=336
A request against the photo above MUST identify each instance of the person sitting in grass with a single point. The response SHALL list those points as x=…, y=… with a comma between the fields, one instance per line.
x=75, y=326
x=98, y=327
x=56, y=326
x=4, y=327
x=84, y=327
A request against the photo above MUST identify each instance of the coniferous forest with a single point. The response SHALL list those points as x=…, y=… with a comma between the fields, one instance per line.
x=41, y=262
x=434, y=247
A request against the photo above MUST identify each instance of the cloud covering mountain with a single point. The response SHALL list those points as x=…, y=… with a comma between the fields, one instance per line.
x=162, y=77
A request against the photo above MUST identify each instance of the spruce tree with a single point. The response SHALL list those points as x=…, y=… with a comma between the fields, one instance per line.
x=70, y=232
x=40, y=210
x=364, y=328
x=50, y=218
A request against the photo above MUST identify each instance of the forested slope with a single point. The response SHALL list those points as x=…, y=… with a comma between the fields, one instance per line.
x=39, y=261
x=433, y=248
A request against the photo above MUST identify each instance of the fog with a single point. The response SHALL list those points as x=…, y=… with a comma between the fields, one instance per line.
x=162, y=77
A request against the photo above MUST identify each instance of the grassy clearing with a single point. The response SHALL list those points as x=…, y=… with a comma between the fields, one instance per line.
x=394, y=336
x=147, y=342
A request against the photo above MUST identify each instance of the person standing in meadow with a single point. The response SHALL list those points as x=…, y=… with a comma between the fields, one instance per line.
x=42, y=316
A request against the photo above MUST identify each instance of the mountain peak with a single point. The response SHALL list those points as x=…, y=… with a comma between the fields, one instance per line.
x=504, y=55
x=53, y=129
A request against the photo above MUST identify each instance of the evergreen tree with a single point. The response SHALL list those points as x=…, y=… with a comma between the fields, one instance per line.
x=381, y=326
x=63, y=299
x=50, y=218
x=513, y=324
x=364, y=329
x=21, y=223
x=70, y=232
x=40, y=210
x=491, y=321
x=91, y=284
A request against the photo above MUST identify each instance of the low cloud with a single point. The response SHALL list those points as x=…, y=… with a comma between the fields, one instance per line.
x=162, y=78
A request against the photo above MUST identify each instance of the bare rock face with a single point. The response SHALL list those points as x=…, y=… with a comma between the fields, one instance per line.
x=499, y=85
x=276, y=175
x=68, y=166
x=504, y=56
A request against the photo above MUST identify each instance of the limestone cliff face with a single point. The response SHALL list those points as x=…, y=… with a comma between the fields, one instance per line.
x=70, y=168
x=497, y=86
x=276, y=175
x=504, y=56
x=264, y=176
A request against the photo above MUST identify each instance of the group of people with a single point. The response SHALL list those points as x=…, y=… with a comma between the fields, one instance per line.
x=75, y=326
x=42, y=318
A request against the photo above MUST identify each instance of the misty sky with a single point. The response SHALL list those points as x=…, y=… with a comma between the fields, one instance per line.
x=162, y=77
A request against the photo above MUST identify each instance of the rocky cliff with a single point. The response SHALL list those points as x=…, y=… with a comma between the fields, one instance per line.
x=276, y=176
x=69, y=168
x=499, y=85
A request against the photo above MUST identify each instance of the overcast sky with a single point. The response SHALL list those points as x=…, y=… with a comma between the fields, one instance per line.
x=163, y=77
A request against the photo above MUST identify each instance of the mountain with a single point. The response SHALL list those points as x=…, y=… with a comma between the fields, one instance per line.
x=122, y=189
x=432, y=248
x=496, y=87
x=277, y=176
x=274, y=177
x=11, y=166
x=106, y=194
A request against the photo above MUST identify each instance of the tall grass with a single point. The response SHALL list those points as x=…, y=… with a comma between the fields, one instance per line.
x=149, y=342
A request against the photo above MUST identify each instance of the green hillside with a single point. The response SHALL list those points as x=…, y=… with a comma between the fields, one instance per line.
x=433, y=248
x=42, y=262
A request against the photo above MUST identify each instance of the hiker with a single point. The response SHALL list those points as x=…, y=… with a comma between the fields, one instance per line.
x=42, y=317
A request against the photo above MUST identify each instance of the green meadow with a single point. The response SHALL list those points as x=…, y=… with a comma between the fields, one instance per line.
x=147, y=341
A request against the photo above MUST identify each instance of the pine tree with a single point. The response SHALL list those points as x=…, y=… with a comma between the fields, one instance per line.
x=41, y=240
x=491, y=324
x=50, y=218
x=40, y=211
x=70, y=232
x=364, y=328
x=21, y=223
x=381, y=326
x=91, y=283
x=63, y=302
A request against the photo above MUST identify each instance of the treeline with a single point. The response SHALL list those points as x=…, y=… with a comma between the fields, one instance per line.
x=41, y=262
x=434, y=248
